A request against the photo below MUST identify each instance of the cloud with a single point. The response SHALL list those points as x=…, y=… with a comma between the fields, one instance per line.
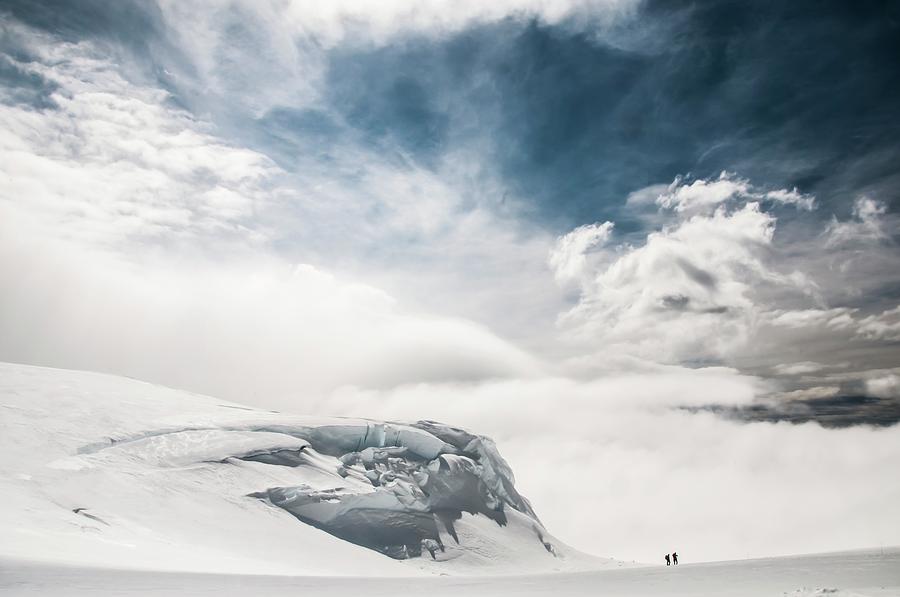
x=887, y=386
x=112, y=162
x=612, y=468
x=355, y=21
x=262, y=329
x=686, y=293
x=865, y=227
x=119, y=166
x=130, y=228
x=814, y=393
x=878, y=326
x=881, y=326
x=568, y=259
x=715, y=283
x=839, y=318
x=288, y=42
x=703, y=196
x=798, y=368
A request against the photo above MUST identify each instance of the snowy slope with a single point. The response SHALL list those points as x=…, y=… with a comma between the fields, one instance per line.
x=102, y=471
x=851, y=574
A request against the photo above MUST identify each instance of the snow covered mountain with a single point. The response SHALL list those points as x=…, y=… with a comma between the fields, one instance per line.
x=106, y=471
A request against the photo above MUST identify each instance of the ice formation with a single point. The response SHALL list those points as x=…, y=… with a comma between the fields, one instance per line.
x=404, y=484
x=112, y=470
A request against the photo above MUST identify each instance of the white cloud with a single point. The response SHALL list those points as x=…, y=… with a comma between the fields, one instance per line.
x=790, y=197
x=800, y=368
x=358, y=21
x=611, y=468
x=839, y=318
x=713, y=282
x=114, y=163
x=258, y=330
x=700, y=195
x=703, y=196
x=129, y=228
x=887, y=386
x=814, y=393
x=866, y=225
x=568, y=256
x=881, y=326
x=684, y=294
x=878, y=326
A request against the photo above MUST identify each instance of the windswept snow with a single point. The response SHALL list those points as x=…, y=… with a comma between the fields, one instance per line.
x=852, y=574
x=105, y=471
x=183, y=448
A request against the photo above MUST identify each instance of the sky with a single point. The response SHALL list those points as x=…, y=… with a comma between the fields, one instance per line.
x=650, y=247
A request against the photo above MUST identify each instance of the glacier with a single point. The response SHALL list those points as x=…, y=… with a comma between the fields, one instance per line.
x=404, y=484
x=97, y=469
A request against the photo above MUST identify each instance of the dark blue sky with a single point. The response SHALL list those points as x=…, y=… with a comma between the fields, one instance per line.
x=803, y=94
x=787, y=94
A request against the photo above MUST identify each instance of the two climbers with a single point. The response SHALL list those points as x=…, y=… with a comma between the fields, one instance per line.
x=673, y=559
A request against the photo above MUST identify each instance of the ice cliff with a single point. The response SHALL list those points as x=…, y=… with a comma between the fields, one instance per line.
x=403, y=484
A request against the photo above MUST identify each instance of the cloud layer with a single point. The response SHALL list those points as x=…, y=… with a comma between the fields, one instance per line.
x=610, y=467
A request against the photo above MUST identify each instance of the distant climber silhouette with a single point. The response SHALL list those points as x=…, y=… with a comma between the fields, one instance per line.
x=675, y=558
x=668, y=561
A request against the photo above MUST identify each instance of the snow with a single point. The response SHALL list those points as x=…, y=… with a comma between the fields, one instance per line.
x=97, y=470
x=181, y=448
x=115, y=486
x=850, y=574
